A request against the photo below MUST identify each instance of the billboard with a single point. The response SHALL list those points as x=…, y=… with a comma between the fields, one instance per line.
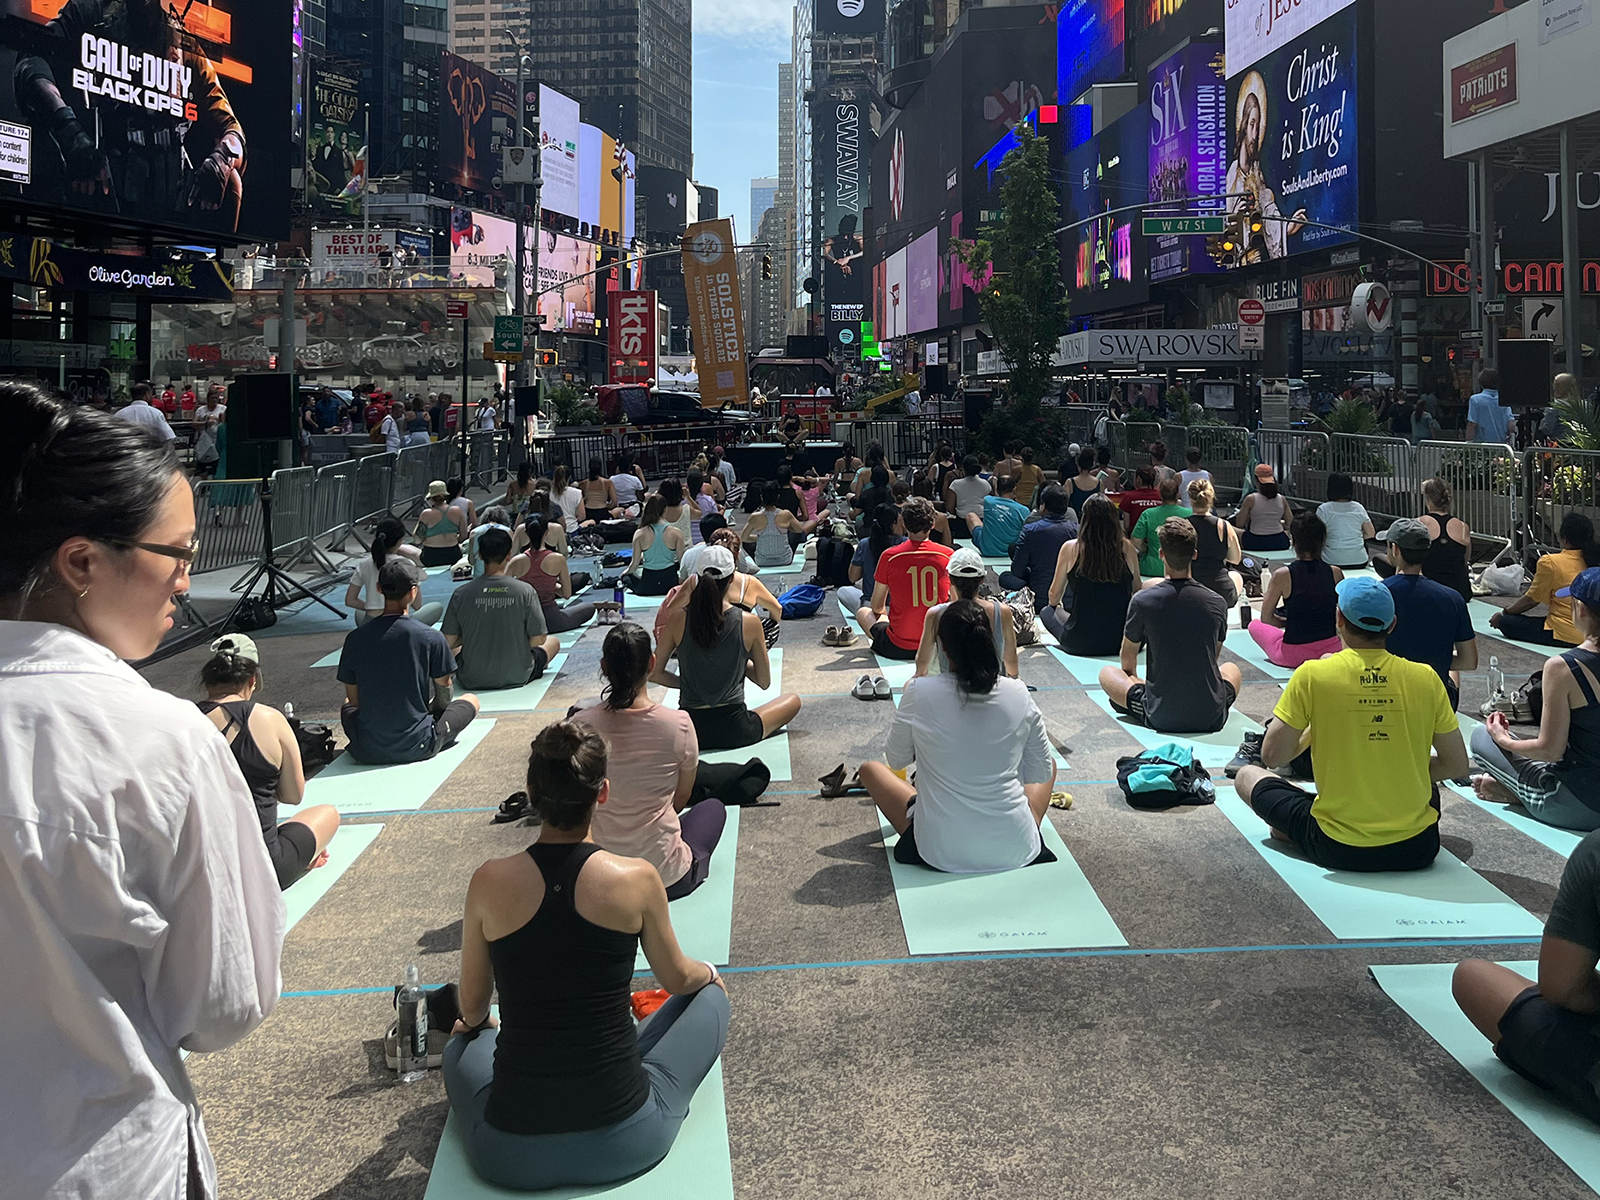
x=1090, y=44
x=716, y=313
x=850, y=18
x=1292, y=142
x=922, y=283
x=632, y=317
x=567, y=282
x=44, y=263
x=1106, y=259
x=341, y=249
x=1257, y=28
x=471, y=97
x=842, y=161
x=483, y=254
x=335, y=148
x=134, y=113
x=895, y=321
x=1188, y=151
x=558, y=139
x=601, y=198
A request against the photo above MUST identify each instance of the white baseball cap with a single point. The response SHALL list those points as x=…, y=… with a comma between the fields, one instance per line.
x=967, y=562
x=717, y=562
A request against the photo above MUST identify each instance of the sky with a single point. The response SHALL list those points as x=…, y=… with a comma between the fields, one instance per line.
x=738, y=45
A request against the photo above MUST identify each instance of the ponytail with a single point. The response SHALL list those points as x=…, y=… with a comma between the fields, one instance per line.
x=705, y=616
x=389, y=534
x=625, y=664
x=536, y=526
x=969, y=645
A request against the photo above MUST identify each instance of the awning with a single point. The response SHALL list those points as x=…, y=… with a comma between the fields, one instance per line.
x=1148, y=346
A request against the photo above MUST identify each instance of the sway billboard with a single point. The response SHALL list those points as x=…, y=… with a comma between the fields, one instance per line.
x=151, y=113
x=842, y=167
x=716, y=313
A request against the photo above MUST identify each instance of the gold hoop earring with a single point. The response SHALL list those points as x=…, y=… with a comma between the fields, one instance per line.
x=83, y=593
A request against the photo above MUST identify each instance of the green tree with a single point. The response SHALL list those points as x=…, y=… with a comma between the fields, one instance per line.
x=1024, y=302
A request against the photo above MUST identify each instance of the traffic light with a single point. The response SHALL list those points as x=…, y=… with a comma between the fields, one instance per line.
x=766, y=266
x=545, y=358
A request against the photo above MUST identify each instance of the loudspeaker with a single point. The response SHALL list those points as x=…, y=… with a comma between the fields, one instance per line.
x=261, y=408
x=526, y=400
x=936, y=379
x=1525, y=371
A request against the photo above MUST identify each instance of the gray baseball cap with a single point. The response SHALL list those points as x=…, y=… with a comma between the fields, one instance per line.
x=1407, y=533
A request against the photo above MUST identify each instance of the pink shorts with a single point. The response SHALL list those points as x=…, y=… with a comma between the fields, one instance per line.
x=1270, y=639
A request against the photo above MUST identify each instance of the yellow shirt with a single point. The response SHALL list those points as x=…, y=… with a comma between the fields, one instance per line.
x=1554, y=572
x=1029, y=480
x=1373, y=718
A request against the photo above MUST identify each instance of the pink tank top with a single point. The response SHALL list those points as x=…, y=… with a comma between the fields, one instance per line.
x=543, y=582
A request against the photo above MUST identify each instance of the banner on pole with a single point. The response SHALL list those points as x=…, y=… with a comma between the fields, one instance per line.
x=711, y=277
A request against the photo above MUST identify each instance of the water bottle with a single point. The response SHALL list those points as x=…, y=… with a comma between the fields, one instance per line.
x=412, y=1028
x=288, y=710
x=1497, y=680
x=617, y=595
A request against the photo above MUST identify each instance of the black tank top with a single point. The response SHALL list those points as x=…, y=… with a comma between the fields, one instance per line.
x=259, y=774
x=1308, y=612
x=1099, y=614
x=1211, y=552
x=567, y=1058
x=1447, y=559
x=1579, y=767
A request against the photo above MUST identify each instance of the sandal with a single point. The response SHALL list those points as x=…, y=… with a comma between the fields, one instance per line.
x=513, y=808
x=1060, y=799
x=863, y=689
x=881, y=689
x=834, y=785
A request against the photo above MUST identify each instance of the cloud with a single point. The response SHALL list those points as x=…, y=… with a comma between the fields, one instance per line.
x=763, y=22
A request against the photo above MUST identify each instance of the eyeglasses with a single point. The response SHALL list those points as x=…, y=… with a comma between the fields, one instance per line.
x=184, y=554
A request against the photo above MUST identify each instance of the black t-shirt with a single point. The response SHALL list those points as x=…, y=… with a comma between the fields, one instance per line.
x=1575, y=916
x=1180, y=622
x=393, y=661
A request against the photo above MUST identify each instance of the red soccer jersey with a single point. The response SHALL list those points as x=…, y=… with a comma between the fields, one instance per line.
x=917, y=575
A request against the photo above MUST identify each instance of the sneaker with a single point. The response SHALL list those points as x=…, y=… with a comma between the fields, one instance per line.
x=1249, y=755
x=863, y=688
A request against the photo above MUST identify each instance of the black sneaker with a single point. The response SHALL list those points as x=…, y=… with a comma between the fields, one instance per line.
x=1249, y=755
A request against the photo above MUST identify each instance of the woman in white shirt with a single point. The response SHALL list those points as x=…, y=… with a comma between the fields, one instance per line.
x=567, y=498
x=142, y=912
x=362, y=597
x=984, y=770
x=1348, y=524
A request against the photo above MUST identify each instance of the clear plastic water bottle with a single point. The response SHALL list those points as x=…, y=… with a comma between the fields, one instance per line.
x=1497, y=679
x=412, y=1028
x=288, y=710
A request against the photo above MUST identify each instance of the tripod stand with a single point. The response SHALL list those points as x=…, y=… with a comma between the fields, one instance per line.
x=280, y=587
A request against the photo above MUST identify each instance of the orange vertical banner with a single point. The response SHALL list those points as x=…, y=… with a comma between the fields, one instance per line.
x=716, y=312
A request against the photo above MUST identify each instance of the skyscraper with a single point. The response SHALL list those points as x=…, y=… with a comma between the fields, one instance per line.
x=763, y=192
x=396, y=47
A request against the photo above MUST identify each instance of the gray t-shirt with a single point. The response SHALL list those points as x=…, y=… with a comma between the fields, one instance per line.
x=1180, y=623
x=494, y=617
x=1575, y=916
x=969, y=492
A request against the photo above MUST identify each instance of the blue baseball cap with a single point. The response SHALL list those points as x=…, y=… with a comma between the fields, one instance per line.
x=1585, y=588
x=1366, y=603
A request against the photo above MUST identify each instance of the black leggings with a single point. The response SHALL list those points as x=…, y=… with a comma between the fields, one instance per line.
x=652, y=581
x=1520, y=627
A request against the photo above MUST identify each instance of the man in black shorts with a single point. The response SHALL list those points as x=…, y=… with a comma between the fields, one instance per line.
x=1183, y=624
x=396, y=671
x=1549, y=1032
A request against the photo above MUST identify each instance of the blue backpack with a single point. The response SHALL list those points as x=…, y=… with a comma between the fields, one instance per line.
x=802, y=600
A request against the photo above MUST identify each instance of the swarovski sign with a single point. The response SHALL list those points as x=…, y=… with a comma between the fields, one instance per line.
x=1148, y=346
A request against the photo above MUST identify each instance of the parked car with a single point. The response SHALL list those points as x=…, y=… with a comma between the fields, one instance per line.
x=403, y=354
x=638, y=406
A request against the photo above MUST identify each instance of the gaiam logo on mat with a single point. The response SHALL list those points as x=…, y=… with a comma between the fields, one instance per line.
x=851, y=8
x=707, y=247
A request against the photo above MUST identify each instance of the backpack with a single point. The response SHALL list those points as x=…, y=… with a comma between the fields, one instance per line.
x=254, y=612
x=833, y=562
x=316, y=743
x=802, y=600
x=1165, y=777
x=1020, y=602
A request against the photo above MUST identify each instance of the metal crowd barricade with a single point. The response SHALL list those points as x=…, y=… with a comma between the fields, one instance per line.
x=575, y=446
x=1486, y=485
x=1384, y=472
x=1080, y=422
x=413, y=471
x=480, y=458
x=335, y=503
x=293, y=511
x=1129, y=442
x=227, y=524
x=668, y=449
x=1299, y=459
x=1224, y=451
x=1556, y=482
x=374, y=489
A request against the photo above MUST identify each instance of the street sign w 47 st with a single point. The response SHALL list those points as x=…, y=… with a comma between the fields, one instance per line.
x=1174, y=226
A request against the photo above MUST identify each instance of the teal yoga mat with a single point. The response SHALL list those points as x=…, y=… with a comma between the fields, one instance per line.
x=1049, y=906
x=703, y=920
x=698, y=1167
x=1212, y=749
x=347, y=846
x=1244, y=646
x=330, y=659
x=1423, y=991
x=521, y=699
x=354, y=787
x=1449, y=899
x=1084, y=670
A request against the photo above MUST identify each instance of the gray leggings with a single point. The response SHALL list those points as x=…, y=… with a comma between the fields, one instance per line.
x=1536, y=788
x=679, y=1042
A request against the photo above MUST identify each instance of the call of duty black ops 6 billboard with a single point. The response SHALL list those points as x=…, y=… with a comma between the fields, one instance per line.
x=167, y=113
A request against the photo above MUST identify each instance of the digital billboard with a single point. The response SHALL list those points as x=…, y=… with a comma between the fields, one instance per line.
x=566, y=281
x=483, y=254
x=471, y=98
x=335, y=147
x=1089, y=46
x=151, y=113
x=558, y=139
x=843, y=159
x=1108, y=262
x=922, y=283
x=1257, y=28
x=850, y=18
x=1292, y=142
x=1188, y=151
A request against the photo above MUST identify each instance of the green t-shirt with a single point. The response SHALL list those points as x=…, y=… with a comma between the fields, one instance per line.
x=1575, y=916
x=1148, y=528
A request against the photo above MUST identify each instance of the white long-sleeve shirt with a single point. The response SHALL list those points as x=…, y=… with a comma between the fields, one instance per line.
x=144, y=414
x=139, y=914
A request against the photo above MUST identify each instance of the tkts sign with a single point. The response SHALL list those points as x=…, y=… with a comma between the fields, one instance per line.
x=633, y=337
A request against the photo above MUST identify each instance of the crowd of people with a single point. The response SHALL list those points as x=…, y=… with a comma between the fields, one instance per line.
x=177, y=917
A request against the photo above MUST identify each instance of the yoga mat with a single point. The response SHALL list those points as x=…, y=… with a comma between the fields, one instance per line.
x=354, y=787
x=1481, y=613
x=698, y=1167
x=897, y=671
x=521, y=699
x=1562, y=841
x=1423, y=991
x=1244, y=646
x=1449, y=899
x=703, y=920
x=1212, y=749
x=330, y=659
x=1084, y=670
x=345, y=848
x=569, y=638
x=630, y=603
x=1049, y=906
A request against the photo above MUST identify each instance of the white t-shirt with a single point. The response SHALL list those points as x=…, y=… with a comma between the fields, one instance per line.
x=969, y=492
x=365, y=579
x=1345, y=545
x=568, y=502
x=973, y=754
x=1188, y=477
x=391, y=434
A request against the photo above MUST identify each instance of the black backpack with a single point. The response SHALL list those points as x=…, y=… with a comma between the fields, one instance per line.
x=1165, y=777
x=833, y=561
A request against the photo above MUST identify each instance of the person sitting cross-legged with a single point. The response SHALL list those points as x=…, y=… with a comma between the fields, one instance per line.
x=999, y=526
x=564, y=1091
x=1382, y=734
x=1182, y=624
x=399, y=705
x=910, y=578
x=1432, y=624
x=1151, y=520
x=1033, y=560
x=494, y=624
x=1555, y=776
x=984, y=770
x=1296, y=623
x=1549, y=1031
